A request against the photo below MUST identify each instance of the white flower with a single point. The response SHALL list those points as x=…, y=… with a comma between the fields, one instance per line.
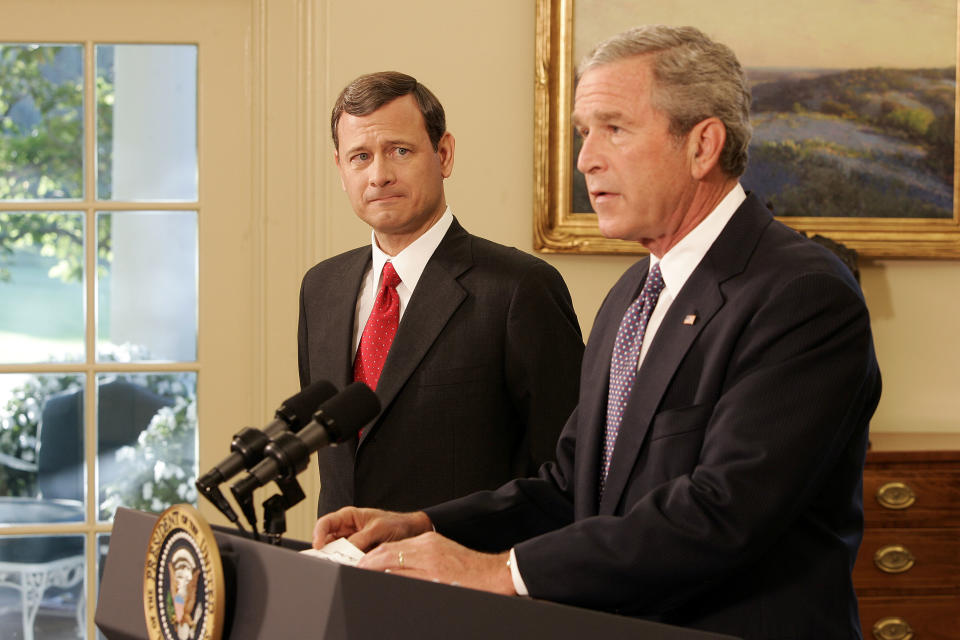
x=160, y=471
x=126, y=453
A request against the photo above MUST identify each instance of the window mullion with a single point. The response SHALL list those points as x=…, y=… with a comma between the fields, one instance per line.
x=90, y=326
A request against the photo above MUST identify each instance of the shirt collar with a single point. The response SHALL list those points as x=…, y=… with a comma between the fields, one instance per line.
x=411, y=262
x=678, y=263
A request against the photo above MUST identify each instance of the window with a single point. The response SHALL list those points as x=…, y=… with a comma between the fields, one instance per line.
x=131, y=248
x=125, y=164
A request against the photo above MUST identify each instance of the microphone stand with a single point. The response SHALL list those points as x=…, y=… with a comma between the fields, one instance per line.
x=275, y=508
x=288, y=454
x=246, y=506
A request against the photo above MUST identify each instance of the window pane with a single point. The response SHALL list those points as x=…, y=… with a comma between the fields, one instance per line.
x=147, y=292
x=41, y=287
x=147, y=441
x=103, y=547
x=41, y=448
x=41, y=121
x=56, y=564
x=146, y=122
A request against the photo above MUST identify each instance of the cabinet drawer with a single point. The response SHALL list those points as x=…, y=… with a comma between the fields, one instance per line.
x=904, y=497
x=893, y=560
x=931, y=618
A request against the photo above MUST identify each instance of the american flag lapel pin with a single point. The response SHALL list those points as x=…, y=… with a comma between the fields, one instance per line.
x=690, y=319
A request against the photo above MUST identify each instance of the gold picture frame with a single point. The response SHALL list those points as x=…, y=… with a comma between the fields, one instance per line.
x=560, y=229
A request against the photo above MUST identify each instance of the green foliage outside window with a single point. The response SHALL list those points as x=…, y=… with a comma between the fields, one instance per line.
x=41, y=152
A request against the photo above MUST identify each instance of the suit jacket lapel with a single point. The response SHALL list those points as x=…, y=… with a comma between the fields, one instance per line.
x=437, y=296
x=669, y=346
x=591, y=411
x=701, y=296
x=341, y=314
x=341, y=287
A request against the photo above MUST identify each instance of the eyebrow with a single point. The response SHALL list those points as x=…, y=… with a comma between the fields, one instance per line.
x=602, y=116
x=352, y=150
x=390, y=143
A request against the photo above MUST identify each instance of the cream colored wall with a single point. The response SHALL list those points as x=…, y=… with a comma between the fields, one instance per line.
x=915, y=306
x=478, y=58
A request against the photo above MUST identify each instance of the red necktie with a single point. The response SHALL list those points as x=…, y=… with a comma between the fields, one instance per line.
x=379, y=331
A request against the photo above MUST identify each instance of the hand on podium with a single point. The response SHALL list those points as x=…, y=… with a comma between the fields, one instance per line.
x=366, y=528
x=405, y=544
x=430, y=556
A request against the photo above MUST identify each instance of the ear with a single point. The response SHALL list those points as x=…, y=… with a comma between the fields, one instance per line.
x=445, y=149
x=336, y=161
x=706, y=142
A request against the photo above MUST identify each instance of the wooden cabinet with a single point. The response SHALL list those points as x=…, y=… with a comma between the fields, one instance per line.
x=907, y=574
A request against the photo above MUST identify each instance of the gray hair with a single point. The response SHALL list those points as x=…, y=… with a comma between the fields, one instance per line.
x=694, y=78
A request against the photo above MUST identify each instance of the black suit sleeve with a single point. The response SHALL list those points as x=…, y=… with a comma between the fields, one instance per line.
x=524, y=508
x=544, y=348
x=303, y=353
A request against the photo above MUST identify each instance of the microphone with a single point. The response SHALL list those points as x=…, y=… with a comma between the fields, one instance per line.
x=248, y=444
x=335, y=421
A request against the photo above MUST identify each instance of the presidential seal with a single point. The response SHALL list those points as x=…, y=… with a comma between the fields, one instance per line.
x=183, y=588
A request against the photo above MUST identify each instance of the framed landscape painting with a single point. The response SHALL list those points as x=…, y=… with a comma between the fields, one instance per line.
x=854, y=116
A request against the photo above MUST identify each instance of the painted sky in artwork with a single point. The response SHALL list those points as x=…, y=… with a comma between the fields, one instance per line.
x=825, y=34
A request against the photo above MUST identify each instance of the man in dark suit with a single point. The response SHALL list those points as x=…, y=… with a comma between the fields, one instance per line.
x=483, y=367
x=730, y=499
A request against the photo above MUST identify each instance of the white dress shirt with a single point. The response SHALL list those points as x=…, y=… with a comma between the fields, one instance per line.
x=409, y=265
x=676, y=265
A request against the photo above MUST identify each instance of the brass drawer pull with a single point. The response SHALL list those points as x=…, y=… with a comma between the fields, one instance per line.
x=893, y=558
x=892, y=629
x=895, y=495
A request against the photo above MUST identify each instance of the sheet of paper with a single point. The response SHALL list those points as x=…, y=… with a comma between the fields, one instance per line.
x=341, y=551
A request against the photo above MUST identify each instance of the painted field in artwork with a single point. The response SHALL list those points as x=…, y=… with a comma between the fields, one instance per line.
x=857, y=143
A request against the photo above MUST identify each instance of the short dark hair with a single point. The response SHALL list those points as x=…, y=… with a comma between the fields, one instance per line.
x=369, y=92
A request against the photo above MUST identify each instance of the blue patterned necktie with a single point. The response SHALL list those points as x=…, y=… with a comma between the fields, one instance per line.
x=623, y=364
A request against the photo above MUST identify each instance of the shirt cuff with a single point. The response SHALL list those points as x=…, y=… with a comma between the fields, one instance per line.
x=518, y=583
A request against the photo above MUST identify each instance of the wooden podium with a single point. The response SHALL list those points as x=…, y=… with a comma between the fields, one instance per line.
x=275, y=592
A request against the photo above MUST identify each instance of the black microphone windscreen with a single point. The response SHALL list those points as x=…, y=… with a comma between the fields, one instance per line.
x=348, y=411
x=298, y=409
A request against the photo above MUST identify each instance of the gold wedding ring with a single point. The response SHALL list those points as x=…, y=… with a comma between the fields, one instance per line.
x=400, y=558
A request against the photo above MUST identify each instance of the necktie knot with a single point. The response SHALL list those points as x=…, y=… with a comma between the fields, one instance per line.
x=390, y=279
x=654, y=284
